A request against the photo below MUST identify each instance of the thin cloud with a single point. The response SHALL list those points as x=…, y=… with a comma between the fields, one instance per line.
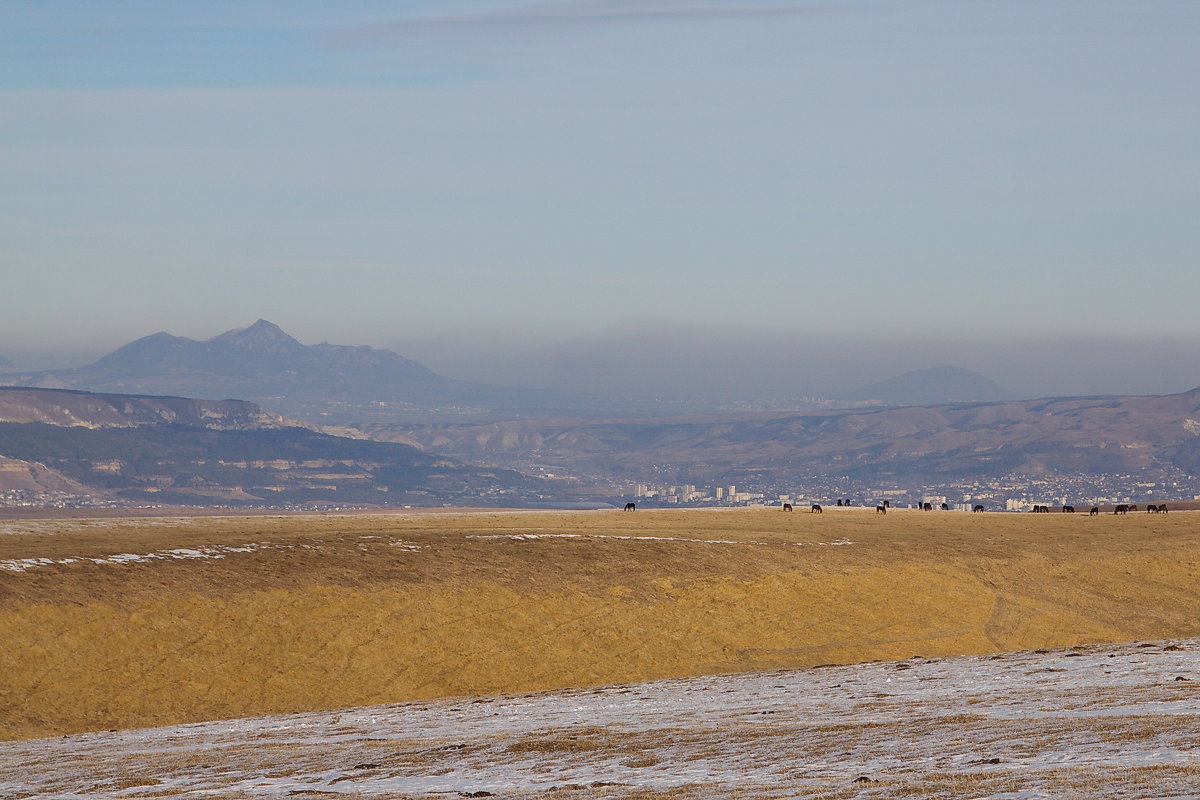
x=570, y=13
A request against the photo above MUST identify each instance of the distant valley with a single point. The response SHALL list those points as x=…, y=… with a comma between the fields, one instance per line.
x=356, y=425
x=1154, y=437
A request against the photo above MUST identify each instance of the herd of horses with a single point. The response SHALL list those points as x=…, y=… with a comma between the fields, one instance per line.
x=1093, y=511
x=1123, y=508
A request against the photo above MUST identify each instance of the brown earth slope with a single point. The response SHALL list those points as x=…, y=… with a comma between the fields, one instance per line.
x=229, y=617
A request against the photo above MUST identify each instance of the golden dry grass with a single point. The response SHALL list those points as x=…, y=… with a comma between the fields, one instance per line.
x=339, y=611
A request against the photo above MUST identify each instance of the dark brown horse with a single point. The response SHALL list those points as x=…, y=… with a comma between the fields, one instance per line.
x=630, y=507
x=816, y=509
x=977, y=509
x=787, y=506
x=880, y=509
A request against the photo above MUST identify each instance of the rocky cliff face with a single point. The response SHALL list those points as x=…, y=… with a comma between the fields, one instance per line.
x=88, y=410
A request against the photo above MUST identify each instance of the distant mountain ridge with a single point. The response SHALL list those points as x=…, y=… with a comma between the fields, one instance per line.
x=933, y=386
x=178, y=450
x=1127, y=435
x=264, y=364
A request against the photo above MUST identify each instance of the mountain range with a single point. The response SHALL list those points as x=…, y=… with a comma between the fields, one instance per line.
x=339, y=383
x=264, y=364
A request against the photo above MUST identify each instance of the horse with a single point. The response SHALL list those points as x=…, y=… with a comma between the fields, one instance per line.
x=1151, y=509
x=839, y=504
x=887, y=503
x=1121, y=509
x=976, y=509
x=631, y=507
x=816, y=509
x=880, y=509
x=1133, y=508
x=1068, y=509
x=927, y=506
x=1095, y=510
x=787, y=506
x=945, y=507
x=846, y=502
x=1162, y=509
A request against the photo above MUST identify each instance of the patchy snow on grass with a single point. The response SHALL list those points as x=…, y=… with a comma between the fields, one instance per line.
x=206, y=552
x=1103, y=721
x=214, y=551
x=521, y=537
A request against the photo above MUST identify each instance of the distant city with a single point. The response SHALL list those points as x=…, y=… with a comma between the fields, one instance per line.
x=1009, y=493
x=1017, y=493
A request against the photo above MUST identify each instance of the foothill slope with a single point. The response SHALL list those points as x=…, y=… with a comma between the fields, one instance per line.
x=121, y=623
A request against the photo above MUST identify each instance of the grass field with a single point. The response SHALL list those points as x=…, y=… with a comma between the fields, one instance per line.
x=120, y=623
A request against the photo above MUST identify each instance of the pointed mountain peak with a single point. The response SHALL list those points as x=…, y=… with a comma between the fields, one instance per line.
x=261, y=335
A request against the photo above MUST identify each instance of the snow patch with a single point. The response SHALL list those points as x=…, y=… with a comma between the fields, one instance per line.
x=212, y=552
x=1096, y=722
x=522, y=537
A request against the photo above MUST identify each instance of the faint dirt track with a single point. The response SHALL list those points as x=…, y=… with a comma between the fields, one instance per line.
x=321, y=612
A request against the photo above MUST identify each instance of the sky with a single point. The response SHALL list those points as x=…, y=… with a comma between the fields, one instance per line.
x=649, y=196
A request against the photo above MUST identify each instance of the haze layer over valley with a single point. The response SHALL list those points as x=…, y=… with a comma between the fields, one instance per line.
x=590, y=449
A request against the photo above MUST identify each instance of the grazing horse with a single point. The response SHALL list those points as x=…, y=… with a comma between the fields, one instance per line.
x=1151, y=509
x=927, y=506
x=1095, y=510
x=976, y=509
x=816, y=509
x=1068, y=509
x=630, y=507
x=1121, y=509
x=1133, y=508
x=945, y=507
x=1162, y=509
x=787, y=506
x=880, y=509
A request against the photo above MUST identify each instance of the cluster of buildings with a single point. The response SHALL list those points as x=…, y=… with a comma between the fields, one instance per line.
x=1008, y=493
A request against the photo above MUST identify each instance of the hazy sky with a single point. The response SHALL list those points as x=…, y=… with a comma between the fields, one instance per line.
x=636, y=194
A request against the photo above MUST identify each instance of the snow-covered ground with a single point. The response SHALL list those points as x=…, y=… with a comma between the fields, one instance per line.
x=1104, y=721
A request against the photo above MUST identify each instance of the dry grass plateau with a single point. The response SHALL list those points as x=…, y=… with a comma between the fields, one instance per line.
x=113, y=623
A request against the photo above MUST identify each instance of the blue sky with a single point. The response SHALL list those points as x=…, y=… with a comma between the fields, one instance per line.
x=541, y=191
